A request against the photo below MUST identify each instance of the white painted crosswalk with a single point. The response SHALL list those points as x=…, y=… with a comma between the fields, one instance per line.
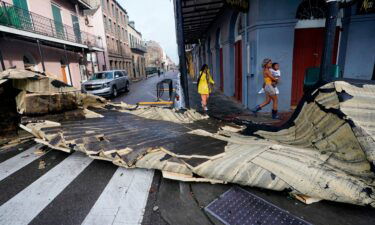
x=23, y=207
x=15, y=163
x=122, y=201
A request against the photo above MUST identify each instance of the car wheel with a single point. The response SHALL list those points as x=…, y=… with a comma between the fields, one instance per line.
x=114, y=92
x=127, y=87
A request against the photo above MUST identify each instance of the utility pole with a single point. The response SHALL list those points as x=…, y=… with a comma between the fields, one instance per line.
x=181, y=50
x=329, y=39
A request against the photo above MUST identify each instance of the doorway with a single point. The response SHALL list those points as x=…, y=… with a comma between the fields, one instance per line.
x=65, y=73
x=307, y=53
x=29, y=62
x=238, y=70
x=59, y=27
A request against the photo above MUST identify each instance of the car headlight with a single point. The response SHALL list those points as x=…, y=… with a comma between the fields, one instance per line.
x=105, y=85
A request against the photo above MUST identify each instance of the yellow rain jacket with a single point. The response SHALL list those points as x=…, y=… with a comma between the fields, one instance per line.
x=205, y=83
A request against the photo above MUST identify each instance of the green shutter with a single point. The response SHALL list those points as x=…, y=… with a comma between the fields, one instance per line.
x=21, y=4
x=59, y=27
x=77, y=30
x=22, y=11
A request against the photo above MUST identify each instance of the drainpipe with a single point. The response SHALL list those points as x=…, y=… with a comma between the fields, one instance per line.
x=41, y=55
x=181, y=51
x=329, y=40
x=67, y=62
x=247, y=60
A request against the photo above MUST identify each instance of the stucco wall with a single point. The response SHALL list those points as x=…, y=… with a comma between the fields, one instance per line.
x=14, y=50
x=360, y=50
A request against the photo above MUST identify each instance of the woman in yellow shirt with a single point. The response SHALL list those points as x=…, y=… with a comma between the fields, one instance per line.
x=205, y=85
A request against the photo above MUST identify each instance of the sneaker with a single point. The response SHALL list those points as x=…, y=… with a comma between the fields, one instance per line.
x=205, y=108
x=256, y=109
x=275, y=116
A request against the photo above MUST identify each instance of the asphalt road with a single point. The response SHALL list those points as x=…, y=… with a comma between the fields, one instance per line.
x=145, y=90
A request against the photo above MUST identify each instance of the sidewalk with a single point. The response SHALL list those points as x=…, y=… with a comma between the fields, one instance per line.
x=229, y=109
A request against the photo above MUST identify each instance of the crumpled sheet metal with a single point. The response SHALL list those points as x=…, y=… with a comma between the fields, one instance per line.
x=160, y=113
x=319, y=155
x=41, y=94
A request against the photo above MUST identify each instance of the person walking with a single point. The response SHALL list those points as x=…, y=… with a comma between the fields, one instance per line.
x=205, y=85
x=269, y=89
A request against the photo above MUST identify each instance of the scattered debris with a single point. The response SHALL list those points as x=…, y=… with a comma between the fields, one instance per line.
x=42, y=165
x=325, y=152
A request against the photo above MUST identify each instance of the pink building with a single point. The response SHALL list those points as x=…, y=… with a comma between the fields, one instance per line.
x=57, y=36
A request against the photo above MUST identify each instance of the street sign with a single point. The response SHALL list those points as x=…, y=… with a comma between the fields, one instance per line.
x=239, y=5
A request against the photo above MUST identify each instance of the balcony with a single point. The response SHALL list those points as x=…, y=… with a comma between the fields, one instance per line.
x=138, y=47
x=20, y=19
x=122, y=50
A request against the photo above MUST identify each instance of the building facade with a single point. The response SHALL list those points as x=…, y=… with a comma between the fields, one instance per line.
x=290, y=33
x=49, y=36
x=138, y=50
x=154, y=55
x=115, y=20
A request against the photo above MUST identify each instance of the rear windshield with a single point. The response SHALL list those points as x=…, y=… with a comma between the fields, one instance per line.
x=104, y=75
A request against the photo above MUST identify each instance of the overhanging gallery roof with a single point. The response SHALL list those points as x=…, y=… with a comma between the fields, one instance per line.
x=198, y=16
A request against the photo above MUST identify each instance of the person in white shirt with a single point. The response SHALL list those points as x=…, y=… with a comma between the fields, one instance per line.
x=275, y=70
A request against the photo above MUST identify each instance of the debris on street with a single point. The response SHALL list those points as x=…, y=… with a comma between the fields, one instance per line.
x=326, y=151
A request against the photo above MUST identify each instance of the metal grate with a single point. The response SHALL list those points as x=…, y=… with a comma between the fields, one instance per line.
x=237, y=206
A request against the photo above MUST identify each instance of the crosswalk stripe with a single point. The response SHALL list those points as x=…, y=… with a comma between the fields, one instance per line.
x=123, y=200
x=17, y=162
x=23, y=207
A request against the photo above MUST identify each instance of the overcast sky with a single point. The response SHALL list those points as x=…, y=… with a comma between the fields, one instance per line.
x=155, y=20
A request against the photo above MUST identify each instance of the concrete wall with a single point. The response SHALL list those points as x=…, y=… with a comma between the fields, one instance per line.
x=360, y=49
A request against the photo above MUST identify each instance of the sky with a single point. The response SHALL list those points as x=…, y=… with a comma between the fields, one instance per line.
x=155, y=20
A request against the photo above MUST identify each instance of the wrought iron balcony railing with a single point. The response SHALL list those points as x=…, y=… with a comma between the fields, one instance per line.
x=15, y=17
x=138, y=47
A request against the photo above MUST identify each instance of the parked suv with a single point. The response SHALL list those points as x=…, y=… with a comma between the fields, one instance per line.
x=107, y=83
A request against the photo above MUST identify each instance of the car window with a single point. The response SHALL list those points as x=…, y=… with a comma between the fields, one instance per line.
x=118, y=74
x=124, y=73
x=102, y=75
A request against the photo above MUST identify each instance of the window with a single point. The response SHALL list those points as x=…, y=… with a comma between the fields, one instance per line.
x=107, y=6
x=113, y=10
x=110, y=25
x=105, y=22
x=312, y=9
x=118, y=74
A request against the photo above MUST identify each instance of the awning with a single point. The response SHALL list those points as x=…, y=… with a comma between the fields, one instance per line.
x=198, y=15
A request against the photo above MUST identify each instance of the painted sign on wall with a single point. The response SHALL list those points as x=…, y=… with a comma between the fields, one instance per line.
x=240, y=5
x=366, y=6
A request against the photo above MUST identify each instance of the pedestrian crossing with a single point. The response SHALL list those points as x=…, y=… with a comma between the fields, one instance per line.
x=15, y=163
x=122, y=199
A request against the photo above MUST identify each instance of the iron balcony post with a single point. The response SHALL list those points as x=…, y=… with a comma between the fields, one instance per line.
x=181, y=51
x=329, y=40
